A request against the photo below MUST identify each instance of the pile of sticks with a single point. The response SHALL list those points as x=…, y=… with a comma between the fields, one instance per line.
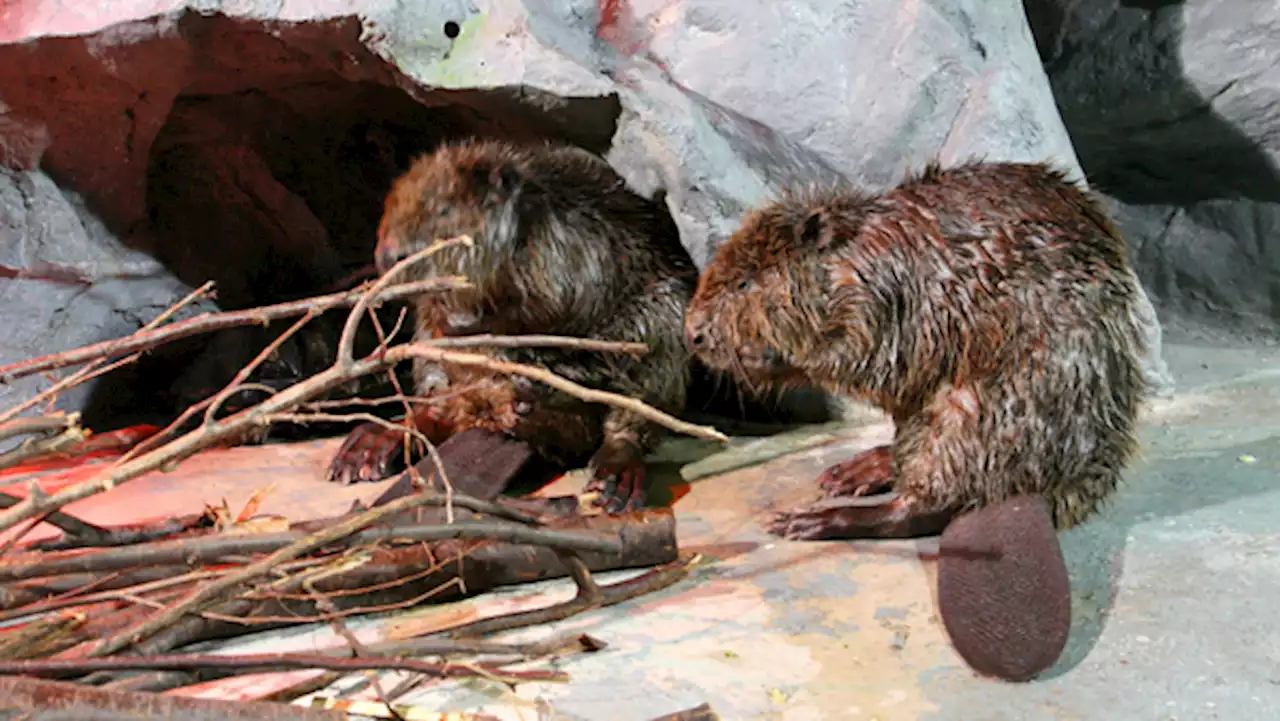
x=91, y=621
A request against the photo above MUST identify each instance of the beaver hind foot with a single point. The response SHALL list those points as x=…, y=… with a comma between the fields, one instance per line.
x=1003, y=590
x=881, y=515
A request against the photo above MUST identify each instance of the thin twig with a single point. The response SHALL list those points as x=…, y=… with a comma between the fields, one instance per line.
x=39, y=425
x=347, y=341
x=486, y=340
x=89, y=599
x=111, y=536
x=428, y=351
x=610, y=595
x=34, y=447
x=68, y=524
x=241, y=376
x=208, y=322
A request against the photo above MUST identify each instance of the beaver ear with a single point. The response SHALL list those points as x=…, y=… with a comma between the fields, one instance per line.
x=811, y=230
x=498, y=180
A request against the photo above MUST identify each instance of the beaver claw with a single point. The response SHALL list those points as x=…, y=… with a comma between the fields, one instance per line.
x=621, y=490
x=809, y=524
x=870, y=471
x=886, y=515
x=371, y=452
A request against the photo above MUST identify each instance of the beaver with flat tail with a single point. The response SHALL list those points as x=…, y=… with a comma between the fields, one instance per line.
x=561, y=246
x=987, y=309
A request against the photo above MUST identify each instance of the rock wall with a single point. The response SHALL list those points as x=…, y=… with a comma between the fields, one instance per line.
x=720, y=104
x=1174, y=110
x=44, y=226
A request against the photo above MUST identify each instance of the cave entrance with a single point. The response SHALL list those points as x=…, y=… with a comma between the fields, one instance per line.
x=268, y=178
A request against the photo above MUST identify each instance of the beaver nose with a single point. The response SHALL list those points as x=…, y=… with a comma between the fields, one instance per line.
x=384, y=258
x=695, y=339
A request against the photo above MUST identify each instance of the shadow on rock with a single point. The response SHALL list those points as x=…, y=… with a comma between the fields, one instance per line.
x=1173, y=128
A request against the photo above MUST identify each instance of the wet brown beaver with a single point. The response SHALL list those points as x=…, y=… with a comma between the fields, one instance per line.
x=562, y=246
x=986, y=308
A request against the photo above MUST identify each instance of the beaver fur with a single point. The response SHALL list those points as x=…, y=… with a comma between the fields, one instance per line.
x=561, y=246
x=986, y=308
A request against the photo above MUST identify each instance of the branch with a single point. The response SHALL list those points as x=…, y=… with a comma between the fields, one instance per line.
x=204, y=595
x=344, y=369
x=40, y=425
x=610, y=595
x=72, y=702
x=430, y=351
x=257, y=663
x=210, y=549
x=33, y=447
x=298, y=393
x=347, y=341
x=207, y=322
x=95, y=369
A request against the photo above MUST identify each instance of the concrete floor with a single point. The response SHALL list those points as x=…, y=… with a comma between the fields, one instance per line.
x=1170, y=587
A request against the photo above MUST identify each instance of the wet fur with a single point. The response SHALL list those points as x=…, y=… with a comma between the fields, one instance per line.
x=986, y=308
x=562, y=247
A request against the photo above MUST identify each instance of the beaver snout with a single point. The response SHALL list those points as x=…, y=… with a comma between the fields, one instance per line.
x=386, y=256
x=695, y=340
x=695, y=335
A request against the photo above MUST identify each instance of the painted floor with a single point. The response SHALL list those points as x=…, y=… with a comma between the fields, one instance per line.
x=1171, y=586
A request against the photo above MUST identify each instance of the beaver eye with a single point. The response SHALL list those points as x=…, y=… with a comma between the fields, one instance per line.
x=743, y=284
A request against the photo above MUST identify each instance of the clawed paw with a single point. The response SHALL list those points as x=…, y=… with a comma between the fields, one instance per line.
x=620, y=491
x=805, y=524
x=370, y=453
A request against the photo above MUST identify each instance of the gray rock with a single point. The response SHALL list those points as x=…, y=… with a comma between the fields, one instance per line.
x=718, y=104
x=1174, y=110
x=42, y=226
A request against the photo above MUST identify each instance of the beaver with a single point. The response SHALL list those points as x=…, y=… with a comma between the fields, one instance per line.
x=985, y=308
x=561, y=246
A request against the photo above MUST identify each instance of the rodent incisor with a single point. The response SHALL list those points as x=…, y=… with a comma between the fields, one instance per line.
x=987, y=309
x=561, y=246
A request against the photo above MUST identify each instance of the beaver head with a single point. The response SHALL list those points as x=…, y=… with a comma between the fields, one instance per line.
x=472, y=189
x=763, y=307
x=461, y=189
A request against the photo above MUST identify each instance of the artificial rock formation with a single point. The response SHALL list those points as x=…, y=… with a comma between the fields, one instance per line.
x=251, y=141
x=1174, y=110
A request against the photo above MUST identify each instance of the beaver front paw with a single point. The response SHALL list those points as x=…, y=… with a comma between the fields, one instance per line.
x=371, y=452
x=870, y=471
x=621, y=490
